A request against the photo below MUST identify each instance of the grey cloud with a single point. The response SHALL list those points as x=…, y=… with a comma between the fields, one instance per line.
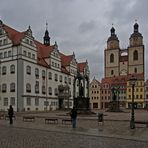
x=87, y=26
x=80, y=26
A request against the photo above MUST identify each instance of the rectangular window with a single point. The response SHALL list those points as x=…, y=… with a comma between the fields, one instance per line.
x=43, y=89
x=5, y=101
x=37, y=87
x=28, y=101
x=1, y=55
x=69, y=80
x=46, y=103
x=5, y=54
x=5, y=41
x=36, y=101
x=12, y=101
x=28, y=70
x=61, y=78
x=0, y=42
x=9, y=53
x=29, y=54
x=24, y=53
x=56, y=77
x=4, y=87
x=50, y=75
x=65, y=79
x=33, y=56
x=43, y=73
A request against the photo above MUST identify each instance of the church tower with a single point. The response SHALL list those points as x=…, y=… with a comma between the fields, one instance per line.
x=136, y=52
x=46, y=37
x=112, y=55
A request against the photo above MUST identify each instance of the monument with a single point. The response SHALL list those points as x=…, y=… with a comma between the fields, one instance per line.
x=81, y=93
x=114, y=105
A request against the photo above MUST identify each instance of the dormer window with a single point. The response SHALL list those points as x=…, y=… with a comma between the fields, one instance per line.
x=27, y=41
x=9, y=53
x=5, y=41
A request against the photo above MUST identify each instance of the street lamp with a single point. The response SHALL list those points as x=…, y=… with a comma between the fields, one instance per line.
x=132, y=121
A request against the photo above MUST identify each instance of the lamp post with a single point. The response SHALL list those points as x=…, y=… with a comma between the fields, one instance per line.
x=132, y=121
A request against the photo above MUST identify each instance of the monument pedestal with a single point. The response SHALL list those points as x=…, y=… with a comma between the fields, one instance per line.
x=114, y=107
x=82, y=105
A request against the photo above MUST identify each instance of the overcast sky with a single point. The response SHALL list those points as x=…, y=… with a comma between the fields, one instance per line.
x=79, y=26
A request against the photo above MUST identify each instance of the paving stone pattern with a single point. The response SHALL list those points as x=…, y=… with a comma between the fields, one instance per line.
x=12, y=137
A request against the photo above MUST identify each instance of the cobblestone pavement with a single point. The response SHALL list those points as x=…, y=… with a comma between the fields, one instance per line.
x=14, y=137
x=114, y=133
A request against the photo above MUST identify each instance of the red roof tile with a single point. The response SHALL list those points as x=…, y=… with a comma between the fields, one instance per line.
x=81, y=66
x=123, y=58
x=121, y=79
x=66, y=59
x=14, y=36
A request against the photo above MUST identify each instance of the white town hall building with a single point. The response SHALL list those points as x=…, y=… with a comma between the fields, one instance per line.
x=31, y=72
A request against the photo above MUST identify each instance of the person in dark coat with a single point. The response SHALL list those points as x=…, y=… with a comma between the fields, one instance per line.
x=10, y=114
x=73, y=115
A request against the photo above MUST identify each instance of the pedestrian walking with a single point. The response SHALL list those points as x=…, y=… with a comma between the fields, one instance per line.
x=73, y=115
x=10, y=114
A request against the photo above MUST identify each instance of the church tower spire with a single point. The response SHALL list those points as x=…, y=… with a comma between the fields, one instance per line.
x=46, y=36
x=112, y=42
x=136, y=38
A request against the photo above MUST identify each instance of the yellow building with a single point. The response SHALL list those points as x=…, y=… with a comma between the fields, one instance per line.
x=94, y=94
x=138, y=92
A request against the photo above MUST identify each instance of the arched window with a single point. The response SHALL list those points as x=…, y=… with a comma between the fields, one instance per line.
x=4, y=70
x=12, y=87
x=28, y=87
x=43, y=89
x=50, y=90
x=37, y=72
x=28, y=70
x=111, y=58
x=112, y=72
x=135, y=70
x=56, y=91
x=135, y=55
x=4, y=87
x=12, y=69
